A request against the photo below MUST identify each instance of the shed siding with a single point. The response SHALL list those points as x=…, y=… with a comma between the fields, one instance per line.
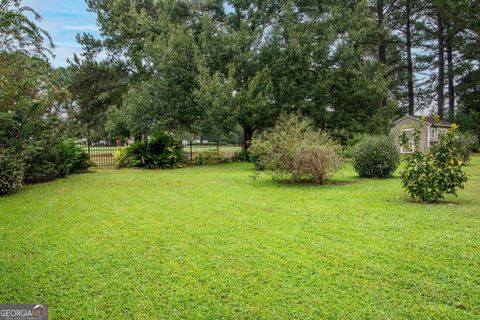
x=397, y=130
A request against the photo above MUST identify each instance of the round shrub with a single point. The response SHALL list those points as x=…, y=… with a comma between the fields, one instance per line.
x=11, y=172
x=375, y=157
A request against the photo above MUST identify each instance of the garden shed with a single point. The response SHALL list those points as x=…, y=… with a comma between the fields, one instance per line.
x=431, y=128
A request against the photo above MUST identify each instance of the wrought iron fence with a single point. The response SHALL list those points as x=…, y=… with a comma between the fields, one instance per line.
x=103, y=154
x=192, y=150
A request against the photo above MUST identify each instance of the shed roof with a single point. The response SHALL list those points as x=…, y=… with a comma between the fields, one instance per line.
x=430, y=120
x=438, y=122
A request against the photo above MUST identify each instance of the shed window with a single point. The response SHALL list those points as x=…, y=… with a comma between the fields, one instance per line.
x=433, y=134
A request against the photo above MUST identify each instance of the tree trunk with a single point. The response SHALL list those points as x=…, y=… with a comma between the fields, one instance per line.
x=382, y=51
x=441, y=67
x=408, y=36
x=451, y=80
x=382, y=56
x=247, y=138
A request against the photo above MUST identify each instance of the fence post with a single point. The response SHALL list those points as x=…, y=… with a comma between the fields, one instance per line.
x=191, y=152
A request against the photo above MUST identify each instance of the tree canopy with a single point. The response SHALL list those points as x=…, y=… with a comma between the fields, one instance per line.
x=214, y=68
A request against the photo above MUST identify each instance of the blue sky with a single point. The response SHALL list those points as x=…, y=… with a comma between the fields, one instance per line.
x=63, y=19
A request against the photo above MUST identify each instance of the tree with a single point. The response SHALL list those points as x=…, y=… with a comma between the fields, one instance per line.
x=18, y=33
x=199, y=68
x=29, y=93
x=95, y=87
x=440, y=30
x=32, y=99
x=468, y=89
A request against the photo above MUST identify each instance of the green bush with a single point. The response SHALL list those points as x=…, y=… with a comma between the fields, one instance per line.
x=375, y=157
x=49, y=160
x=210, y=158
x=464, y=144
x=11, y=171
x=11, y=156
x=41, y=161
x=161, y=150
x=72, y=158
x=241, y=156
x=295, y=150
x=122, y=158
x=429, y=175
x=470, y=141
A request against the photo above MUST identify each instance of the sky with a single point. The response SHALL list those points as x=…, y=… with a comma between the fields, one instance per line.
x=63, y=19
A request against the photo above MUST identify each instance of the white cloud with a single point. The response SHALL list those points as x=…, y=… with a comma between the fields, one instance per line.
x=89, y=27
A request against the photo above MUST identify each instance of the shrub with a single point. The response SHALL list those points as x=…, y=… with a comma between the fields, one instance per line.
x=11, y=171
x=41, y=163
x=471, y=140
x=161, y=150
x=122, y=158
x=464, y=144
x=242, y=156
x=375, y=157
x=47, y=160
x=429, y=175
x=470, y=143
x=293, y=149
x=72, y=158
x=210, y=158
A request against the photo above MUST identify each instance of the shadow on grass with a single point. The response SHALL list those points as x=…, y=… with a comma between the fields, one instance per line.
x=307, y=182
x=449, y=202
x=285, y=182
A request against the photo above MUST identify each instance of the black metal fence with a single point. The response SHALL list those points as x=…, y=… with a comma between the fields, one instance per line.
x=103, y=154
x=194, y=149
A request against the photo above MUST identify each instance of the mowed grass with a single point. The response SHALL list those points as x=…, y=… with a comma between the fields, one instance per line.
x=212, y=243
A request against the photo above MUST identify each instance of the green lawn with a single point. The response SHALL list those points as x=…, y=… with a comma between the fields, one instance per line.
x=211, y=242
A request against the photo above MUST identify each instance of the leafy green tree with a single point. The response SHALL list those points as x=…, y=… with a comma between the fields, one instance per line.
x=31, y=100
x=18, y=33
x=208, y=68
x=95, y=86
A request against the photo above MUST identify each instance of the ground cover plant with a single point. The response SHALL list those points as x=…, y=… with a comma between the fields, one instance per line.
x=208, y=242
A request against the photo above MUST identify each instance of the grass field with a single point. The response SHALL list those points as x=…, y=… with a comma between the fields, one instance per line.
x=212, y=243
